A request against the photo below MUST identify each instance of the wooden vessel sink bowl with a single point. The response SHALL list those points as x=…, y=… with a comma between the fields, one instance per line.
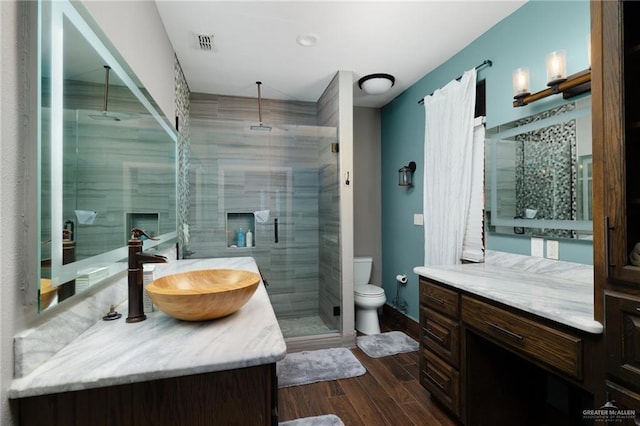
x=203, y=295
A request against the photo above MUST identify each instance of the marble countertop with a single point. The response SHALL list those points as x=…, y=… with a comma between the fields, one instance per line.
x=551, y=296
x=115, y=352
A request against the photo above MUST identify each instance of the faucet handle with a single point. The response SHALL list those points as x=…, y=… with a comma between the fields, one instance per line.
x=136, y=233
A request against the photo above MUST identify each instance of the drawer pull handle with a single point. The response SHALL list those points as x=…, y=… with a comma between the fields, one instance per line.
x=433, y=380
x=435, y=336
x=434, y=299
x=505, y=331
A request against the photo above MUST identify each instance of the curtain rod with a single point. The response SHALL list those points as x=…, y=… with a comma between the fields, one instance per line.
x=485, y=63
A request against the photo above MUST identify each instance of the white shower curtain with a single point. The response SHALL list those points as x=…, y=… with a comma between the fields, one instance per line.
x=448, y=147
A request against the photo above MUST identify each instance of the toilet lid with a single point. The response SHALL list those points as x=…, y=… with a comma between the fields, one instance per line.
x=369, y=290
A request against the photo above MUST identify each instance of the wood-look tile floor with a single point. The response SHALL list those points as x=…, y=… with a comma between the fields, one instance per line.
x=388, y=394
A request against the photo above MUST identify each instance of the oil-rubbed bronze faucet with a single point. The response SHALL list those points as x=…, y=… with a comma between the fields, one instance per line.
x=137, y=258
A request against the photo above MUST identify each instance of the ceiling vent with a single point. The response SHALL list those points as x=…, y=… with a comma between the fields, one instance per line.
x=205, y=42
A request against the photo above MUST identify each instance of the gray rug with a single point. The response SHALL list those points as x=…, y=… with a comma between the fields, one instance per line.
x=326, y=420
x=306, y=367
x=385, y=344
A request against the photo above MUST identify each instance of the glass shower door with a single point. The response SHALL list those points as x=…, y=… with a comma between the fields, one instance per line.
x=281, y=185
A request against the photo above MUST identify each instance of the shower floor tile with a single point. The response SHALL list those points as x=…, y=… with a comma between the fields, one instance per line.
x=303, y=326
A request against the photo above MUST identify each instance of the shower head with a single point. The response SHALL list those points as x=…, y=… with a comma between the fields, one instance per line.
x=260, y=127
x=106, y=116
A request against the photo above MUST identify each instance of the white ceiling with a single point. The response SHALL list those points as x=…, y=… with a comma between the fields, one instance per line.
x=256, y=41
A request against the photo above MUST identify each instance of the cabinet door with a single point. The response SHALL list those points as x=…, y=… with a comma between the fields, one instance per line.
x=625, y=400
x=623, y=337
x=621, y=148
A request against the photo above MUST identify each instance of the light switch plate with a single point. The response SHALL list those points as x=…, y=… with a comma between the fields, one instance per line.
x=418, y=219
x=537, y=247
x=553, y=248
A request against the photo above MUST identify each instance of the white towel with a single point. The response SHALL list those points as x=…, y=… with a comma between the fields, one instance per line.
x=262, y=216
x=86, y=217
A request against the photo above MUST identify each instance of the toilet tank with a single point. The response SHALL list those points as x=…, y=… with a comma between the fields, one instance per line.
x=362, y=270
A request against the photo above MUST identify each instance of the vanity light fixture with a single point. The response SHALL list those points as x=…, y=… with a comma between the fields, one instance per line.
x=557, y=80
x=376, y=84
x=405, y=174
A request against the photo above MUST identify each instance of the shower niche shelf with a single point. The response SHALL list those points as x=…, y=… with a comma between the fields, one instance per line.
x=237, y=220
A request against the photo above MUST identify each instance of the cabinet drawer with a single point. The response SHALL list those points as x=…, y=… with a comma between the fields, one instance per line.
x=622, y=314
x=441, y=379
x=439, y=298
x=440, y=334
x=545, y=344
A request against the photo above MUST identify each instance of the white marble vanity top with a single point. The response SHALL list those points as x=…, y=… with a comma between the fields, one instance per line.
x=552, y=296
x=114, y=352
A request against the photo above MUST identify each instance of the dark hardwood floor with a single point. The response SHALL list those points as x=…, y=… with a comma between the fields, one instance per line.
x=388, y=394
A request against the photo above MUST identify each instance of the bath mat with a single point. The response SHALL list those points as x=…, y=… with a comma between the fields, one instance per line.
x=385, y=344
x=306, y=367
x=326, y=420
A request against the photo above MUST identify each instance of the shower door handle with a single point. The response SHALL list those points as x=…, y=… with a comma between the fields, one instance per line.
x=275, y=230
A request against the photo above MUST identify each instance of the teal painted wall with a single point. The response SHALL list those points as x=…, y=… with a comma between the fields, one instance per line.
x=522, y=39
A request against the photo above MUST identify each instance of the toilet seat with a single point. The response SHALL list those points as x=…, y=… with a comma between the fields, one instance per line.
x=368, y=290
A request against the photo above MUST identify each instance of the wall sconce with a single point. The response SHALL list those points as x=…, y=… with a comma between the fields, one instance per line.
x=557, y=81
x=405, y=174
x=375, y=84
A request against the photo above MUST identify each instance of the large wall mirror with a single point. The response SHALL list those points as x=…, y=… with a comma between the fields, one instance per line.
x=107, y=158
x=538, y=174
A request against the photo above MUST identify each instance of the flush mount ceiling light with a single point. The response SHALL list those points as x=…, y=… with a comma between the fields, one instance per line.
x=375, y=84
x=307, y=40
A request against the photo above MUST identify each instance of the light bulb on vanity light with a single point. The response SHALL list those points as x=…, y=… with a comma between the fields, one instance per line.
x=556, y=67
x=521, y=82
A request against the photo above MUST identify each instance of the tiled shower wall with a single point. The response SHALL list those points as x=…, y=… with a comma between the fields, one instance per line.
x=289, y=172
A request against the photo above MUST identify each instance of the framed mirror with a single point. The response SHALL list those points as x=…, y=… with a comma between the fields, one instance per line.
x=107, y=158
x=538, y=174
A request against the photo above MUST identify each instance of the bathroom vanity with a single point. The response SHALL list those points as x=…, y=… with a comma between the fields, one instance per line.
x=506, y=345
x=162, y=370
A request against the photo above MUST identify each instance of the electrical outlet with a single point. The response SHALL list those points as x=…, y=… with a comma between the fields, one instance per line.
x=418, y=219
x=553, y=249
x=537, y=247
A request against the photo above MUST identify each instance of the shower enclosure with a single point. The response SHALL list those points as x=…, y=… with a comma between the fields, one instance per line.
x=281, y=184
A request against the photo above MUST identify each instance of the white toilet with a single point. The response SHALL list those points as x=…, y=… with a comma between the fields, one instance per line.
x=368, y=298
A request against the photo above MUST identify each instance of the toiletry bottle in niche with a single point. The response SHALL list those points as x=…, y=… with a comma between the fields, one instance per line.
x=249, y=238
x=240, y=238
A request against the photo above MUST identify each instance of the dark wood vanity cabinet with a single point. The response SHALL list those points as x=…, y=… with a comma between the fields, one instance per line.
x=616, y=197
x=244, y=396
x=492, y=364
